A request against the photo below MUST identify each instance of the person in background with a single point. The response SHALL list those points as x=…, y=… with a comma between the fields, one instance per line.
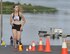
x=11, y=41
x=17, y=21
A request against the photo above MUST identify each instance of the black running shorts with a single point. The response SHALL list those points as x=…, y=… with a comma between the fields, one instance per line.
x=17, y=27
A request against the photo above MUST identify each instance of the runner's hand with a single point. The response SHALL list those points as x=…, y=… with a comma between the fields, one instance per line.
x=21, y=28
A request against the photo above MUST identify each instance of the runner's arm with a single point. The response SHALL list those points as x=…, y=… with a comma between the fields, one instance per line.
x=11, y=20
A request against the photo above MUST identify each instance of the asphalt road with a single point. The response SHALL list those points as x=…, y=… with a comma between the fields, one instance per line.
x=11, y=50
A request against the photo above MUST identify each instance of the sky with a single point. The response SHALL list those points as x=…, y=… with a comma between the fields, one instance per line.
x=26, y=1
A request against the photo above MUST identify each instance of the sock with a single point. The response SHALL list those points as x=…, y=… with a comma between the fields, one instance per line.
x=17, y=42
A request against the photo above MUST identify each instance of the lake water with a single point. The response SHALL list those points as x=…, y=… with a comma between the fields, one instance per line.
x=36, y=22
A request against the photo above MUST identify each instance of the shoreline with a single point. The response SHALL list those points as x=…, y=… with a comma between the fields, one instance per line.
x=28, y=8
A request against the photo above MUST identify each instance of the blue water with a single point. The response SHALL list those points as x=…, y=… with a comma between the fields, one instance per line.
x=36, y=22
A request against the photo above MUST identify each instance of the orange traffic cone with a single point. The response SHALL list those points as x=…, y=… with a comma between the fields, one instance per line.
x=47, y=47
x=64, y=48
x=20, y=47
x=30, y=48
x=40, y=47
x=33, y=46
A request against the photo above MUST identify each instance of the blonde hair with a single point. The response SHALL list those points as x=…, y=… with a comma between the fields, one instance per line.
x=19, y=8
